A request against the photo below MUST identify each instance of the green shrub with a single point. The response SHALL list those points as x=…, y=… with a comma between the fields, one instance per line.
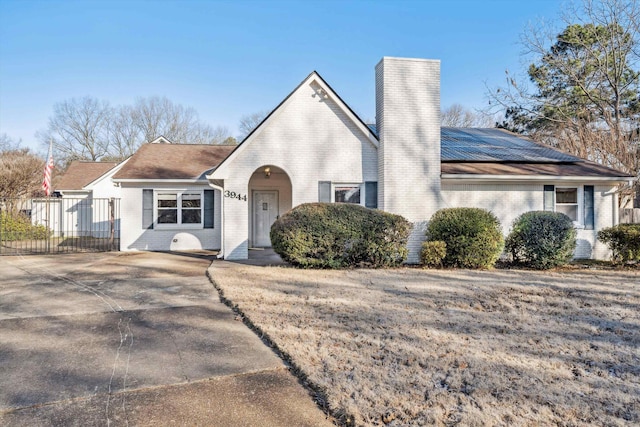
x=542, y=240
x=623, y=241
x=433, y=253
x=340, y=235
x=18, y=227
x=472, y=236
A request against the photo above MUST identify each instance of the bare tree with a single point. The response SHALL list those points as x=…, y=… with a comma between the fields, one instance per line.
x=213, y=135
x=89, y=129
x=157, y=117
x=461, y=117
x=125, y=133
x=79, y=128
x=8, y=144
x=249, y=122
x=20, y=173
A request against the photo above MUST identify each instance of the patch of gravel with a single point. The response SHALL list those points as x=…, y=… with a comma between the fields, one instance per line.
x=453, y=347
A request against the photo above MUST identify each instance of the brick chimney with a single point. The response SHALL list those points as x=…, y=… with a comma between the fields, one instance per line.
x=408, y=125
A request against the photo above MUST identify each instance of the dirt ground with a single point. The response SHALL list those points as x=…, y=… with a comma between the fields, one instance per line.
x=453, y=347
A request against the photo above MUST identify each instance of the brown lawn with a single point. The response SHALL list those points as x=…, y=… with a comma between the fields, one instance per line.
x=453, y=347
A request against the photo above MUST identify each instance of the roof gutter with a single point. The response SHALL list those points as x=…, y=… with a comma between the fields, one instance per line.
x=487, y=178
x=78, y=194
x=169, y=180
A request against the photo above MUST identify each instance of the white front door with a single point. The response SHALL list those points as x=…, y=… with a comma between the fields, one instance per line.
x=265, y=212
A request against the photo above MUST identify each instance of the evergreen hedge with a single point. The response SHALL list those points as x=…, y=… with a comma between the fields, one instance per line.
x=340, y=235
x=433, y=253
x=541, y=239
x=472, y=236
x=623, y=240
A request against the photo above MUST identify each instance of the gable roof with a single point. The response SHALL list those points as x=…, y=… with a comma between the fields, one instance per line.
x=173, y=161
x=323, y=82
x=160, y=140
x=81, y=173
x=328, y=91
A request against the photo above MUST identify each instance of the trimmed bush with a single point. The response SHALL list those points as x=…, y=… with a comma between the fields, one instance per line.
x=541, y=239
x=623, y=240
x=433, y=253
x=18, y=227
x=472, y=236
x=340, y=235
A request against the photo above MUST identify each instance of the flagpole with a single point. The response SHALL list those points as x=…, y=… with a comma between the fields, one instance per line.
x=46, y=186
x=47, y=224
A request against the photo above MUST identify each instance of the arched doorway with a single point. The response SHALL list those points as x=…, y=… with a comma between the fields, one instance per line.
x=269, y=197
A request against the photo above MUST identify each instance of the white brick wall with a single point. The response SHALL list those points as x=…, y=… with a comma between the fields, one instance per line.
x=311, y=139
x=408, y=121
x=507, y=201
x=133, y=237
x=104, y=189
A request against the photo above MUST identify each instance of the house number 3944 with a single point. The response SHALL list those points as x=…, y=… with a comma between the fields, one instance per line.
x=234, y=195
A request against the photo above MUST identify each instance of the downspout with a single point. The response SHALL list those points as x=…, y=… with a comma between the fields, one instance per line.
x=221, y=189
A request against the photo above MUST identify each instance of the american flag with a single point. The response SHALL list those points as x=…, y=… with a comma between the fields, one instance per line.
x=48, y=169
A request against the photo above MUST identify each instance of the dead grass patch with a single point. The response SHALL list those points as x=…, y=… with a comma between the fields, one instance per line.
x=454, y=347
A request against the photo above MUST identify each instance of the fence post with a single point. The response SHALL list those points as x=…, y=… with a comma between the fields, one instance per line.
x=46, y=221
x=112, y=222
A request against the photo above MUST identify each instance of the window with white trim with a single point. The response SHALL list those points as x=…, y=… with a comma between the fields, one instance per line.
x=362, y=193
x=578, y=203
x=179, y=208
x=567, y=201
x=348, y=193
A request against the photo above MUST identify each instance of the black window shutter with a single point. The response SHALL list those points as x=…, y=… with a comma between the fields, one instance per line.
x=147, y=209
x=371, y=194
x=324, y=191
x=208, y=208
x=549, y=196
x=589, y=220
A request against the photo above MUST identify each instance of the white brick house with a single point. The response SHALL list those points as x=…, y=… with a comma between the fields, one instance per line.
x=166, y=201
x=313, y=147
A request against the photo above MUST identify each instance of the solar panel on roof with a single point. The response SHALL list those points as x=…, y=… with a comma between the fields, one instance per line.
x=494, y=145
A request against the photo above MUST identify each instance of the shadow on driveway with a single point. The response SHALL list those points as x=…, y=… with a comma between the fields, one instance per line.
x=96, y=339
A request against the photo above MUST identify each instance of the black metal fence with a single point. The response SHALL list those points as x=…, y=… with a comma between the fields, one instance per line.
x=56, y=225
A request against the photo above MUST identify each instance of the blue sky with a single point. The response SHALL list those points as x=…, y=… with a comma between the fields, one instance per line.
x=231, y=58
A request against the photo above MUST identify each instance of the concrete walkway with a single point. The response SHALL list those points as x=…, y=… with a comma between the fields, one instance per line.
x=134, y=339
x=262, y=257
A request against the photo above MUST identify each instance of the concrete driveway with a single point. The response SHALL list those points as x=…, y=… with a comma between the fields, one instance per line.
x=133, y=339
